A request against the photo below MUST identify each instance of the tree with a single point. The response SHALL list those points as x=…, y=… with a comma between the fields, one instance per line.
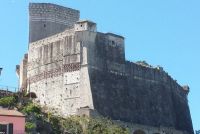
x=30, y=127
x=31, y=109
x=8, y=101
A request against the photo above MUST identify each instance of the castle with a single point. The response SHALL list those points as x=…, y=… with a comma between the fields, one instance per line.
x=73, y=70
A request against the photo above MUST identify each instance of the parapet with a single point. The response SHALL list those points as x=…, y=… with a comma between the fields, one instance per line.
x=115, y=35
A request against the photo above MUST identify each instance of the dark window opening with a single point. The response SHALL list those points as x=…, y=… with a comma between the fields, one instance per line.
x=139, y=132
x=113, y=43
x=6, y=128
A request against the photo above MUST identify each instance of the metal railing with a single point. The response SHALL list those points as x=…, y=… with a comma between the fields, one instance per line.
x=9, y=88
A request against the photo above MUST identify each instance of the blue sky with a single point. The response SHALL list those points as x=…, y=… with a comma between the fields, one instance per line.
x=161, y=32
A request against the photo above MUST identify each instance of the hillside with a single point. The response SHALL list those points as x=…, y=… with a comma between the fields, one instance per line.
x=38, y=121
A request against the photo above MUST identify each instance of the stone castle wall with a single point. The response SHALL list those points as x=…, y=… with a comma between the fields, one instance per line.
x=134, y=93
x=54, y=73
x=48, y=67
x=163, y=98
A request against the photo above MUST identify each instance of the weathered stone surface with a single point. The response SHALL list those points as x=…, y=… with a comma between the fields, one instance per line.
x=129, y=92
x=48, y=19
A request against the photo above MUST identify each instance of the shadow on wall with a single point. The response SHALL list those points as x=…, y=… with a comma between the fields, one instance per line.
x=139, y=132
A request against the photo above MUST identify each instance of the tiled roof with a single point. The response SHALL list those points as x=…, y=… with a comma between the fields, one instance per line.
x=7, y=112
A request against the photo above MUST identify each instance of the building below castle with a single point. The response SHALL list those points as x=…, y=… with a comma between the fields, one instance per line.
x=75, y=70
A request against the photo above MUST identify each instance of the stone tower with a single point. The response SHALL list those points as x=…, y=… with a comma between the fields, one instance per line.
x=47, y=19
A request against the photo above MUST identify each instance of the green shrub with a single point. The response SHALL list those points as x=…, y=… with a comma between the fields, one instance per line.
x=55, y=124
x=8, y=101
x=115, y=129
x=72, y=125
x=30, y=126
x=105, y=126
x=31, y=108
x=97, y=126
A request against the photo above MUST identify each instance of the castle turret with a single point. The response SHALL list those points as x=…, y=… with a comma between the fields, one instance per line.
x=85, y=25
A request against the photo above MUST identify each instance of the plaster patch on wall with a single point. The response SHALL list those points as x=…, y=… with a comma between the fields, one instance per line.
x=71, y=77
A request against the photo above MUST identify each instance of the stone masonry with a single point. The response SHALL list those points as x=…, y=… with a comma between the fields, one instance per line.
x=49, y=19
x=72, y=68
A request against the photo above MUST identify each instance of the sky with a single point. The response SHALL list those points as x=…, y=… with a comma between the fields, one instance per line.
x=161, y=32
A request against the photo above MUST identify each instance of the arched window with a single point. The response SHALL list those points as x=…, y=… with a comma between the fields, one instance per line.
x=138, y=132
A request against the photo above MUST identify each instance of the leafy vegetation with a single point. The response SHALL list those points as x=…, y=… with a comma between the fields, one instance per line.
x=40, y=122
x=105, y=126
x=73, y=125
x=29, y=127
x=85, y=125
x=55, y=124
x=8, y=101
x=31, y=108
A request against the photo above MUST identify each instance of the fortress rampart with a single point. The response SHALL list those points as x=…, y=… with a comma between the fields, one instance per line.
x=135, y=93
